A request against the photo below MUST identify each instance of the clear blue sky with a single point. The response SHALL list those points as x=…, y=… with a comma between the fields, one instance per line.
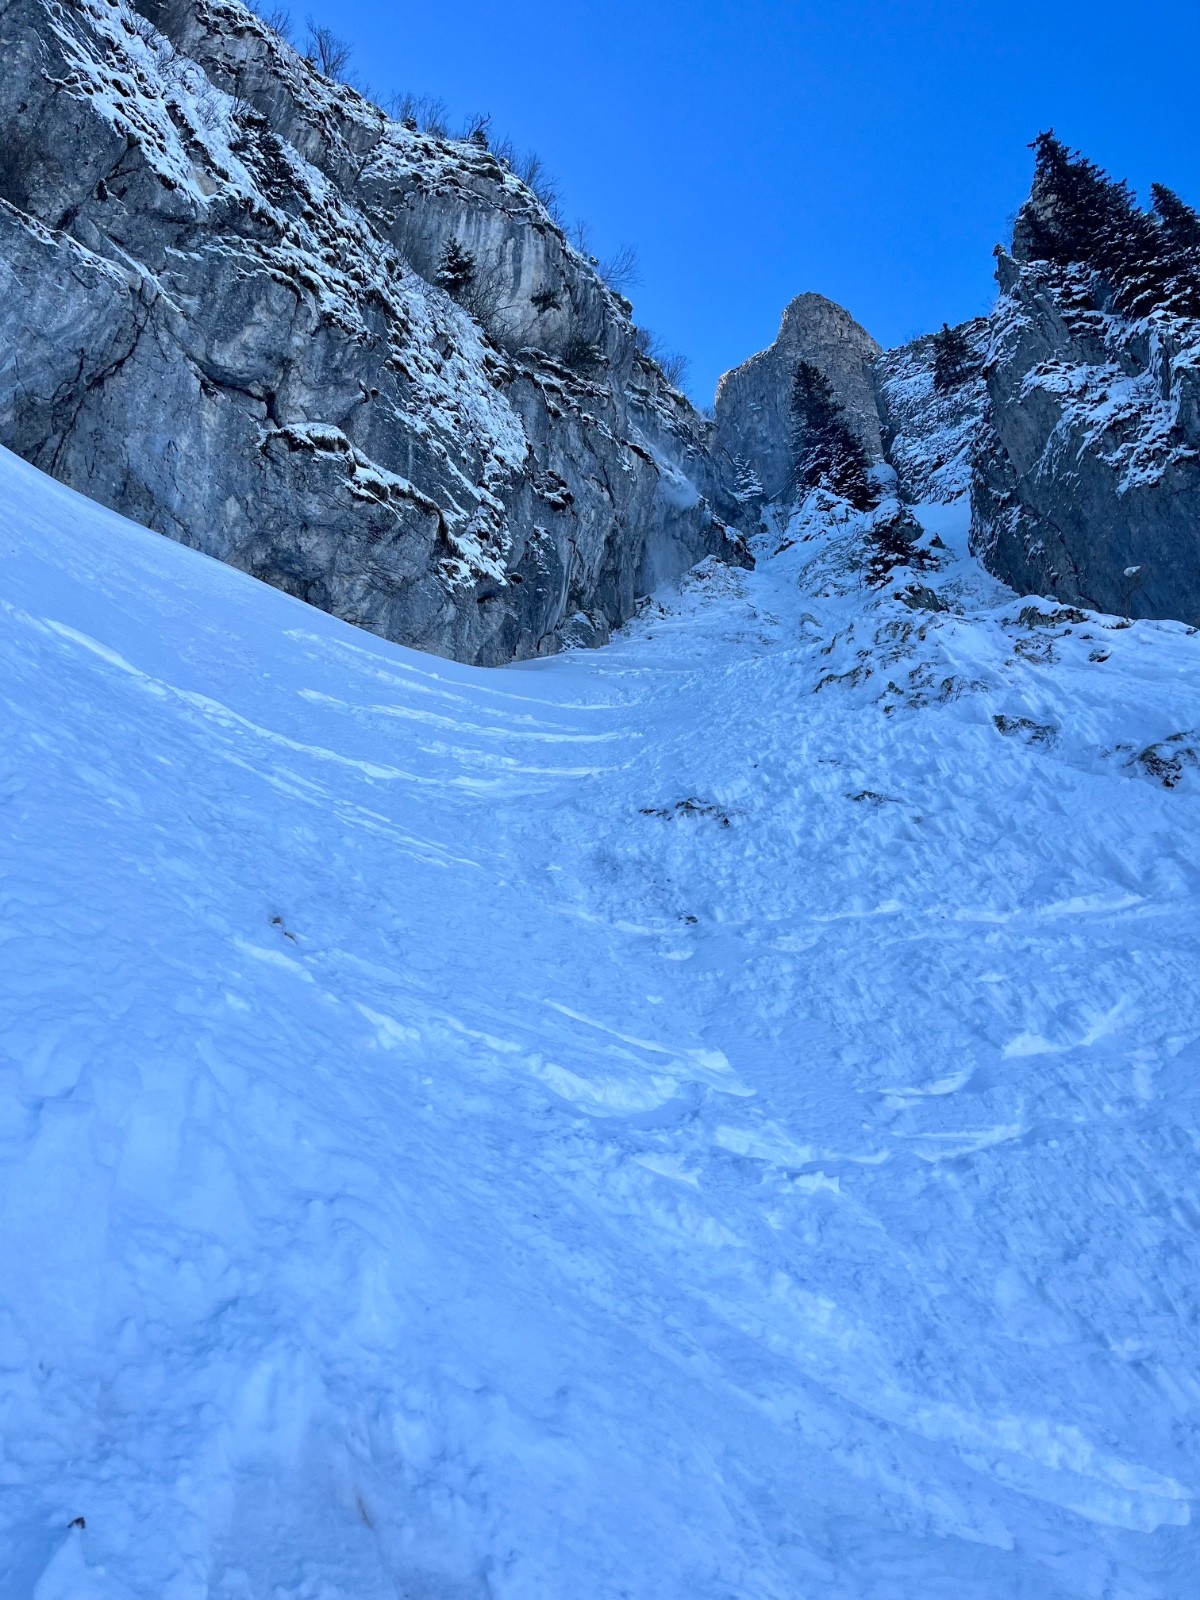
x=751, y=149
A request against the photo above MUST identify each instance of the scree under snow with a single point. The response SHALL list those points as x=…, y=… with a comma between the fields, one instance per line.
x=710, y=1119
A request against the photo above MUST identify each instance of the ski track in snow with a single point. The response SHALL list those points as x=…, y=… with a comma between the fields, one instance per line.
x=437, y=1162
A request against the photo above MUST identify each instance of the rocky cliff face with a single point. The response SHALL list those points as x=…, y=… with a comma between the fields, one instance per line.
x=928, y=429
x=219, y=315
x=753, y=415
x=1074, y=425
x=1086, y=480
x=905, y=419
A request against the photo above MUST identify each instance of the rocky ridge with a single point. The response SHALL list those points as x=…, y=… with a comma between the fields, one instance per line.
x=363, y=362
x=1074, y=424
x=219, y=316
x=916, y=436
x=753, y=404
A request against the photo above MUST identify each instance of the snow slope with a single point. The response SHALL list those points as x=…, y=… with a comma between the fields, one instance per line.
x=710, y=1118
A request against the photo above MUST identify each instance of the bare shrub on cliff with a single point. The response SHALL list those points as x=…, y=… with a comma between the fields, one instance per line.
x=420, y=111
x=328, y=51
x=276, y=18
x=621, y=271
x=673, y=366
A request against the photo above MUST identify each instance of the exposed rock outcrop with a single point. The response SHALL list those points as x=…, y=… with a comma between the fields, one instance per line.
x=929, y=429
x=753, y=404
x=1086, y=480
x=219, y=315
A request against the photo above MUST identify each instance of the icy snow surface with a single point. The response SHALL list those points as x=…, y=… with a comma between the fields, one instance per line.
x=708, y=1119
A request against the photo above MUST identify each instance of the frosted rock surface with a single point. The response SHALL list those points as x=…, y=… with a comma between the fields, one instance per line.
x=219, y=315
x=753, y=404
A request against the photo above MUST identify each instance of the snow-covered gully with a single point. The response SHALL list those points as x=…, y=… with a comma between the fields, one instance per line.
x=714, y=1117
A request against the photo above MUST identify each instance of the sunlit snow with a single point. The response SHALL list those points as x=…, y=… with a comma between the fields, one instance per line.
x=714, y=1118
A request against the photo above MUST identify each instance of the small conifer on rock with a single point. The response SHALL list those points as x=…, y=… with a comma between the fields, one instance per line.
x=951, y=359
x=747, y=485
x=457, y=269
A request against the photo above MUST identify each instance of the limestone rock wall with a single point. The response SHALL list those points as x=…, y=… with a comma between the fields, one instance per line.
x=218, y=315
x=753, y=404
x=1086, y=480
x=929, y=433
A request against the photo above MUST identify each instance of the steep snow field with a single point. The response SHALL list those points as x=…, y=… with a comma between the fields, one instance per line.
x=710, y=1119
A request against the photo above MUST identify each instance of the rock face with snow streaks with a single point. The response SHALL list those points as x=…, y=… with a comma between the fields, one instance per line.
x=1086, y=482
x=753, y=405
x=220, y=316
x=929, y=431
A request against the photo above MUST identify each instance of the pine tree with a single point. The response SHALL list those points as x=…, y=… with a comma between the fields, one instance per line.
x=827, y=451
x=457, y=269
x=951, y=359
x=1077, y=214
x=1178, y=221
x=1179, y=227
x=747, y=485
